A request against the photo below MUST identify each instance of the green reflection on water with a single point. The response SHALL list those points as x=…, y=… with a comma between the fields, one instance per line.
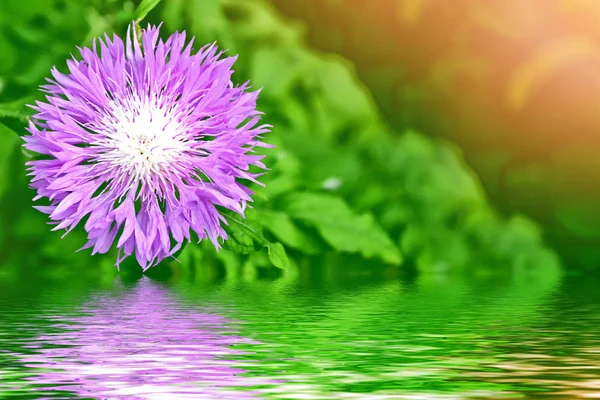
x=525, y=335
x=386, y=338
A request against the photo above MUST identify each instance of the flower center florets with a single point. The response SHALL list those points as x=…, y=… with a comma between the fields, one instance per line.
x=142, y=137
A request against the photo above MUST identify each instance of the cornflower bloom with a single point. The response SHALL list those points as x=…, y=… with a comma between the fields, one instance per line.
x=141, y=142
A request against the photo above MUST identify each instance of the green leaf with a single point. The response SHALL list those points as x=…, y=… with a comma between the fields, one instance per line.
x=207, y=21
x=6, y=113
x=7, y=135
x=13, y=110
x=245, y=237
x=284, y=229
x=173, y=14
x=278, y=256
x=341, y=227
x=9, y=140
x=272, y=70
x=144, y=8
x=9, y=55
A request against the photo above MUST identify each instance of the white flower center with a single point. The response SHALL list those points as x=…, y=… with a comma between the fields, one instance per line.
x=142, y=138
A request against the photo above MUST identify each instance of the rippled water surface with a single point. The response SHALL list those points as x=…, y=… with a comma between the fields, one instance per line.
x=432, y=337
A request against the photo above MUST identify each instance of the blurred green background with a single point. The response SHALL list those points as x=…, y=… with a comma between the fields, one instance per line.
x=411, y=135
x=516, y=84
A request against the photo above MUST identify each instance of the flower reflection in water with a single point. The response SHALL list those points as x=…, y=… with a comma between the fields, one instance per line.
x=141, y=344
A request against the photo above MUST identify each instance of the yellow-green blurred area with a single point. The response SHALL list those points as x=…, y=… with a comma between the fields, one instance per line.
x=516, y=84
x=411, y=135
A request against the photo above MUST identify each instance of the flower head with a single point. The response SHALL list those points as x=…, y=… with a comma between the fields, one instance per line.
x=143, y=141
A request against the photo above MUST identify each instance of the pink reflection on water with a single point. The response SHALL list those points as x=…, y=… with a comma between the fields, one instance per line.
x=140, y=344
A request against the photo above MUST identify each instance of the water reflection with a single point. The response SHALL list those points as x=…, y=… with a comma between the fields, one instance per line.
x=439, y=337
x=138, y=344
x=435, y=337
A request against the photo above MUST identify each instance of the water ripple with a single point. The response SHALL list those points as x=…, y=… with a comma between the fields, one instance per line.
x=140, y=344
x=430, y=339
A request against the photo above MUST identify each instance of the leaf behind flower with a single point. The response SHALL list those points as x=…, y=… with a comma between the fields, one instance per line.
x=245, y=237
x=341, y=227
x=144, y=8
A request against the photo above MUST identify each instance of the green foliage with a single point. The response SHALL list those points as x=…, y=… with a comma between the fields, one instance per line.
x=500, y=80
x=281, y=226
x=341, y=227
x=245, y=236
x=8, y=142
x=14, y=110
x=144, y=8
x=340, y=181
x=277, y=256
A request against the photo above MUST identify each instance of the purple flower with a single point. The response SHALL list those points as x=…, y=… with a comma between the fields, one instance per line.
x=142, y=142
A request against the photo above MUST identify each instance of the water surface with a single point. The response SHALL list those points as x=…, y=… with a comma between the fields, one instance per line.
x=431, y=337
